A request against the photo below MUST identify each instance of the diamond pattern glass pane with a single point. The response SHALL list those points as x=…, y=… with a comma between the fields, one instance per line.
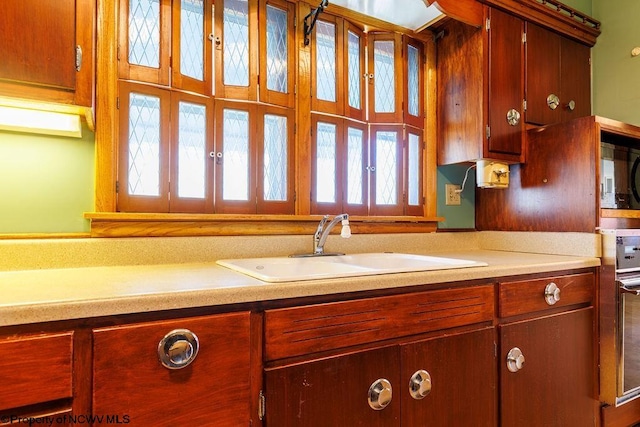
x=413, y=82
x=386, y=168
x=144, y=32
x=326, y=163
x=192, y=120
x=144, y=145
x=413, y=177
x=235, y=140
x=277, y=58
x=355, y=166
x=236, y=43
x=191, y=39
x=275, y=158
x=325, y=61
x=354, y=71
x=384, y=76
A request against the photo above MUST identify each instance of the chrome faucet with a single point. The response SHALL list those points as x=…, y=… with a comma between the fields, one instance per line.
x=321, y=234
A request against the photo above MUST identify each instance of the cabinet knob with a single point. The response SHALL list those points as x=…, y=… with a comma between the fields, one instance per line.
x=571, y=105
x=420, y=384
x=178, y=349
x=515, y=359
x=513, y=117
x=552, y=293
x=553, y=101
x=380, y=394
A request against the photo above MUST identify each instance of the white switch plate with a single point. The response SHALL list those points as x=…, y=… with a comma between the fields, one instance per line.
x=452, y=195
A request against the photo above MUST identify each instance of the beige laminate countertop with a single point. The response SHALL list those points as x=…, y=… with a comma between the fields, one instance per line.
x=42, y=295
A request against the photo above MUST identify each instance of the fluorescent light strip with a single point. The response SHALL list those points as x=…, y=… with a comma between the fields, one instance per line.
x=37, y=121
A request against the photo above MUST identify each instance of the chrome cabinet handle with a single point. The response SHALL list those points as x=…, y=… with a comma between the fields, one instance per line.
x=571, y=105
x=553, y=101
x=515, y=359
x=380, y=394
x=178, y=349
x=552, y=293
x=420, y=384
x=513, y=117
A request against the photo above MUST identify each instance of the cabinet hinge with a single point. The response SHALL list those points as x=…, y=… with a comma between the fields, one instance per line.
x=117, y=186
x=78, y=57
x=117, y=103
x=488, y=131
x=524, y=37
x=487, y=24
x=262, y=405
x=524, y=105
x=295, y=89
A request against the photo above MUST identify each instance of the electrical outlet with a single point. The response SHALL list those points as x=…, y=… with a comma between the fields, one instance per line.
x=452, y=195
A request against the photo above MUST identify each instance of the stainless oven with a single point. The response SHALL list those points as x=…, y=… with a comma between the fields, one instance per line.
x=620, y=316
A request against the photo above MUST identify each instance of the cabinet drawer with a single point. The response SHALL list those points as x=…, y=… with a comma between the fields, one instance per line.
x=35, y=369
x=526, y=296
x=214, y=388
x=309, y=329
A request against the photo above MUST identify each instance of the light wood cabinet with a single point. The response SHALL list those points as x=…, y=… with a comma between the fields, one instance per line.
x=214, y=389
x=558, y=77
x=481, y=90
x=47, y=50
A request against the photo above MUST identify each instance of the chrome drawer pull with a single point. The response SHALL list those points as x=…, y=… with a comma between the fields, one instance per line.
x=552, y=293
x=380, y=394
x=515, y=360
x=178, y=349
x=420, y=384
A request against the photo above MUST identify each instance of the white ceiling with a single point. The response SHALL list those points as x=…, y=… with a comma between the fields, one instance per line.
x=412, y=14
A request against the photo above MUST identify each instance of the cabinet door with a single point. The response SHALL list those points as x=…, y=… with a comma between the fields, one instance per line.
x=47, y=50
x=214, y=389
x=505, y=86
x=334, y=391
x=555, y=385
x=542, y=74
x=463, y=377
x=575, y=72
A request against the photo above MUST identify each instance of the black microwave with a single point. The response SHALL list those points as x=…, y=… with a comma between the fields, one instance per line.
x=619, y=176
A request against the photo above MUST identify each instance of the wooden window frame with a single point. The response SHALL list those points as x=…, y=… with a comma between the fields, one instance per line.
x=413, y=210
x=354, y=209
x=320, y=105
x=349, y=111
x=398, y=208
x=410, y=119
x=396, y=115
x=325, y=207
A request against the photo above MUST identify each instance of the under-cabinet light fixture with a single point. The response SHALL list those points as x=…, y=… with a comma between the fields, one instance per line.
x=29, y=120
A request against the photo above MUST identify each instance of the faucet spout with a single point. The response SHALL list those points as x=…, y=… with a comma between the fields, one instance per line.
x=321, y=234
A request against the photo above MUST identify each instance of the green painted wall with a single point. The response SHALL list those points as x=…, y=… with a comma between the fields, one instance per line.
x=46, y=182
x=616, y=74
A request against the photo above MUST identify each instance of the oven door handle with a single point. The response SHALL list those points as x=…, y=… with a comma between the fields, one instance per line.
x=626, y=290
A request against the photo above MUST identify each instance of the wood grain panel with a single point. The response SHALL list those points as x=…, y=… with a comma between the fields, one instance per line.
x=213, y=390
x=35, y=369
x=527, y=296
x=309, y=329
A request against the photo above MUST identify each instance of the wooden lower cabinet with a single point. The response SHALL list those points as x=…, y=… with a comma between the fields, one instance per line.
x=334, y=391
x=555, y=385
x=130, y=383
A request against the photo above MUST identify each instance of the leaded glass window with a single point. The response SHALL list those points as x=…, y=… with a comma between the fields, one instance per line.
x=277, y=49
x=235, y=155
x=355, y=166
x=384, y=76
x=191, y=150
x=236, y=43
x=355, y=73
x=326, y=146
x=144, y=32
x=413, y=80
x=386, y=168
x=275, y=158
x=144, y=145
x=325, y=61
x=413, y=177
x=191, y=39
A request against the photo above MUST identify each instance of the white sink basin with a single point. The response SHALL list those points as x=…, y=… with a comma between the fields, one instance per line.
x=284, y=269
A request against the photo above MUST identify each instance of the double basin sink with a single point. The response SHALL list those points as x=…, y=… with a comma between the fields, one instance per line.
x=287, y=269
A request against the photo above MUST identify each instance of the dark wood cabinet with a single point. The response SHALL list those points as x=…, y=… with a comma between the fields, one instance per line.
x=481, y=90
x=555, y=386
x=558, y=77
x=215, y=389
x=47, y=50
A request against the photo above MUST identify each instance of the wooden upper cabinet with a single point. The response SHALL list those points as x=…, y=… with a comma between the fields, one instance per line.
x=47, y=50
x=558, y=77
x=481, y=90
